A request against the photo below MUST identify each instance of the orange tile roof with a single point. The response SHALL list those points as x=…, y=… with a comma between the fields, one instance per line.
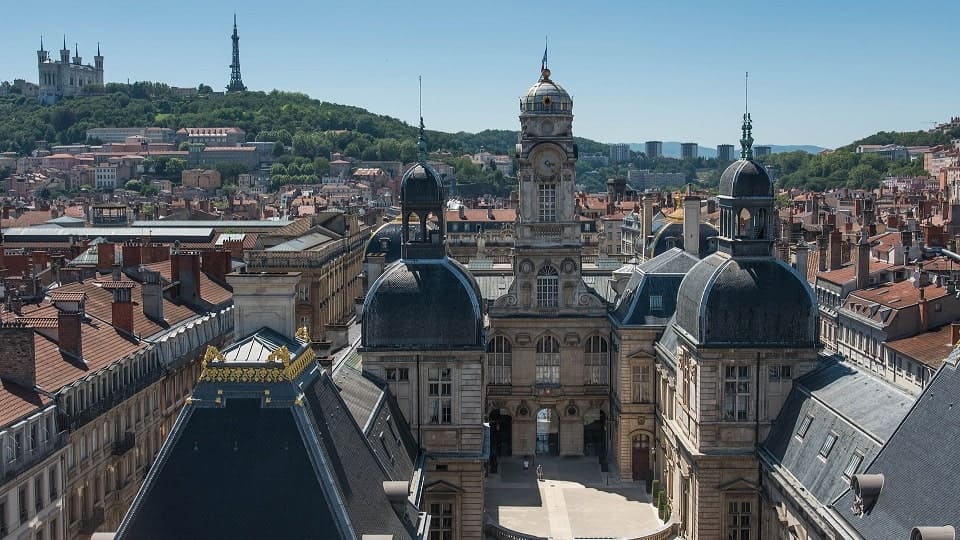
x=17, y=402
x=99, y=304
x=898, y=295
x=210, y=291
x=929, y=348
x=845, y=274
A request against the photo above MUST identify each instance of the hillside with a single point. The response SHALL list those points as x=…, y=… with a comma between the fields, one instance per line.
x=280, y=115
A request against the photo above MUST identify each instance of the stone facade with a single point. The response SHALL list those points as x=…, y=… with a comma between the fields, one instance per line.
x=67, y=76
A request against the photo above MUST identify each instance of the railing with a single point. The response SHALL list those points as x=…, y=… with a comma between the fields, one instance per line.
x=27, y=460
x=495, y=530
x=125, y=444
x=90, y=524
x=667, y=531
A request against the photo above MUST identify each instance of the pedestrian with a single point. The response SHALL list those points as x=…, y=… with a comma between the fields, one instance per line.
x=526, y=462
x=540, y=473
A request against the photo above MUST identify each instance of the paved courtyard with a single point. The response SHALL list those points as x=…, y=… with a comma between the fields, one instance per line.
x=575, y=500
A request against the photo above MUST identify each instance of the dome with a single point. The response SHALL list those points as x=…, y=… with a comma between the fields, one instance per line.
x=745, y=178
x=759, y=302
x=421, y=185
x=669, y=235
x=423, y=305
x=546, y=96
x=390, y=236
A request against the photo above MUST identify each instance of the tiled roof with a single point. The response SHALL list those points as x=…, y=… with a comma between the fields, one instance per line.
x=481, y=214
x=210, y=291
x=848, y=273
x=897, y=295
x=102, y=345
x=929, y=348
x=17, y=402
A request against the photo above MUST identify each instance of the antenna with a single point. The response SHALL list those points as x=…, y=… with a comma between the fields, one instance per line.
x=420, y=96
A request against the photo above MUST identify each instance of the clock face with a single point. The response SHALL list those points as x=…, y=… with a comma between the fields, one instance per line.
x=547, y=162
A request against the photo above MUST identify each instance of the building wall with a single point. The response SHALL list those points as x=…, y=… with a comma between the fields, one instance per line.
x=631, y=398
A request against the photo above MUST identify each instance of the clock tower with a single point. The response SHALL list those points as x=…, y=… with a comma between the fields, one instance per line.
x=547, y=247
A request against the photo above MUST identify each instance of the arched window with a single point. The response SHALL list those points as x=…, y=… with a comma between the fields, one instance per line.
x=548, y=360
x=548, y=287
x=596, y=358
x=744, y=224
x=499, y=360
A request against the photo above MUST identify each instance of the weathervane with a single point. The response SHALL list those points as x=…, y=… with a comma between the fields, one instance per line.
x=746, y=141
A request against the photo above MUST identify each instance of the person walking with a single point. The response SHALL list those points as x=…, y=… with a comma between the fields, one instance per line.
x=540, y=473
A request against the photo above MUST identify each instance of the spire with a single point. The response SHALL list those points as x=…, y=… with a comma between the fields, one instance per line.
x=746, y=141
x=76, y=49
x=98, y=49
x=65, y=42
x=421, y=139
x=41, y=43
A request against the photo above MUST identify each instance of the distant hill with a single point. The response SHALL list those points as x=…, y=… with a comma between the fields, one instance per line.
x=672, y=149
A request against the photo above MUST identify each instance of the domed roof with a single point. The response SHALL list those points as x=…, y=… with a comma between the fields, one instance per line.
x=670, y=234
x=546, y=96
x=758, y=302
x=422, y=305
x=421, y=185
x=745, y=178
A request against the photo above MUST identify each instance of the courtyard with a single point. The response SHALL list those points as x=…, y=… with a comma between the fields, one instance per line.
x=575, y=500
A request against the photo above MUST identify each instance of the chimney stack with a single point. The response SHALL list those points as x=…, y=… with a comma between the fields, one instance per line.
x=835, y=253
x=105, y=256
x=217, y=264
x=462, y=212
x=152, y=295
x=17, y=355
x=70, y=308
x=185, y=269
x=647, y=229
x=803, y=258
x=691, y=225
x=863, y=260
x=954, y=333
x=122, y=304
x=822, y=252
x=132, y=254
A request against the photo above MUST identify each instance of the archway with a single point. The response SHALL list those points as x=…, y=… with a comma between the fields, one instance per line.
x=548, y=432
x=501, y=433
x=595, y=433
x=640, y=464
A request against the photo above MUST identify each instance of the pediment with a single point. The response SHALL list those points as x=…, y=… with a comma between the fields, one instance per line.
x=740, y=484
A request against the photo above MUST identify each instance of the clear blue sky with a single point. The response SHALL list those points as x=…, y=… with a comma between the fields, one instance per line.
x=821, y=72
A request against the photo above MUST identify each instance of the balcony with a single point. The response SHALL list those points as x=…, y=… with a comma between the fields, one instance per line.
x=124, y=444
x=29, y=459
x=90, y=524
x=77, y=420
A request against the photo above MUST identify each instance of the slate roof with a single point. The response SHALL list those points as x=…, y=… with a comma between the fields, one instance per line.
x=674, y=230
x=745, y=178
x=862, y=410
x=727, y=300
x=302, y=243
x=919, y=466
x=423, y=304
x=313, y=470
x=659, y=276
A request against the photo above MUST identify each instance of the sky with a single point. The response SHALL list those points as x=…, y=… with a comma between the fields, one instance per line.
x=821, y=72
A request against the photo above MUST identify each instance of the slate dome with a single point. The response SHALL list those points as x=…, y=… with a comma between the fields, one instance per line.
x=420, y=185
x=423, y=304
x=546, y=96
x=757, y=302
x=745, y=178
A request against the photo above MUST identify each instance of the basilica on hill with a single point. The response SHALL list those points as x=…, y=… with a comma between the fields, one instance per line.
x=699, y=378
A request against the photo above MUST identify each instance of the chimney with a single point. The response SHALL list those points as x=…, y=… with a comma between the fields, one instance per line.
x=822, y=252
x=122, y=304
x=803, y=257
x=835, y=255
x=815, y=209
x=40, y=259
x=863, y=260
x=132, y=254
x=152, y=295
x=70, y=307
x=105, y=256
x=264, y=300
x=185, y=269
x=954, y=333
x=17, y=355
x=489, y=213
x=691, y=225
x=711, y=205
x=217, y=264
x=924, y=310
x=647, y=229
x=463, y=212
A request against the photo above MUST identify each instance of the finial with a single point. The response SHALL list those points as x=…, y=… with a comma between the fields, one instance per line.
x=234, y=21
x=421, y=140
x=76, y=49
x=746, y=141
x=65, y=42
x=98, y=48
x=41, y=43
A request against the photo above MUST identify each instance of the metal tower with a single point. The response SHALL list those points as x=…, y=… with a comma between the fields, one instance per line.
x=236, y=83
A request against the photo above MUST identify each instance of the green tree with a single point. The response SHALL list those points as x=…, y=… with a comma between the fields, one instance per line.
x=175, y=166
x=133, y=185
x=321, y=165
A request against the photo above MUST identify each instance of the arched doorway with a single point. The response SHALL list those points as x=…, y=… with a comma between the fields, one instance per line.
x=595, y=433
x=501, y=433
x=640, y=464
x=548, y=432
